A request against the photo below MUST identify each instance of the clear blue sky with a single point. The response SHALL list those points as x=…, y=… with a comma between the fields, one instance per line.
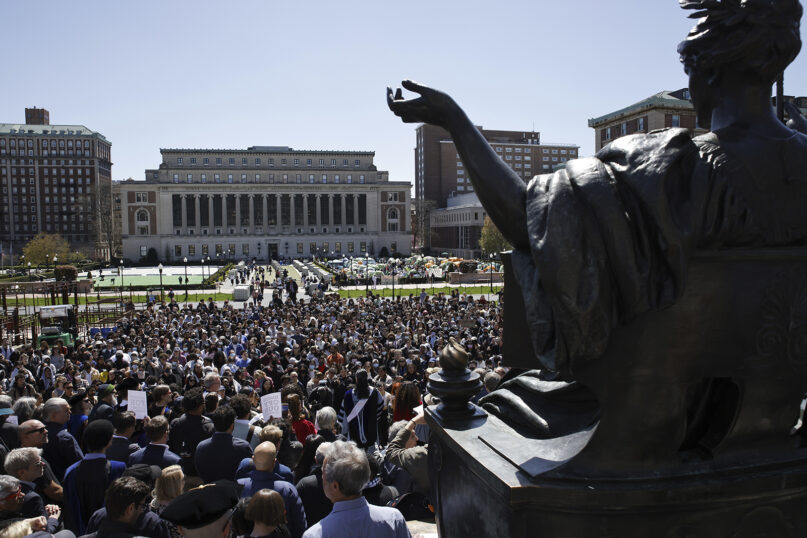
x=312, y=74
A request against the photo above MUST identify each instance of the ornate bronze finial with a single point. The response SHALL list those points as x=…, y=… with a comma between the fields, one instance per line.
x=454, y=384
x=453, y=358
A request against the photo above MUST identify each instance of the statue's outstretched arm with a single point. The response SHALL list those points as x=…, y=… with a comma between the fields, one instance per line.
x=502, y=192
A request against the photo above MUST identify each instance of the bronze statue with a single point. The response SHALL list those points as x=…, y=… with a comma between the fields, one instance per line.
x=664, y=287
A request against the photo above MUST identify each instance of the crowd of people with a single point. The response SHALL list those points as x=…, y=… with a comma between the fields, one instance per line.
x=346, y=458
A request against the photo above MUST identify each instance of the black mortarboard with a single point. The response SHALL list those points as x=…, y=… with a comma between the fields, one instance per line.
x=203, y=505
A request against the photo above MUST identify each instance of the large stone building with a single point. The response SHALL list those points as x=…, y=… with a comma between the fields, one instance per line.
x=440, y=176
x=664, y=109
x=264, y=202
x=456, y=228
x=55, y=179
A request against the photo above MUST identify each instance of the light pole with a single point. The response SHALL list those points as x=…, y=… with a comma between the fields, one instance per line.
x=186, y=278
x=366, y=272
x=160, y=269
x=491, y=272
x=120, y=272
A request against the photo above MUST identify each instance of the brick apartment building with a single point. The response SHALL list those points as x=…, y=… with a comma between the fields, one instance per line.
x=54, y=179
x=440, y=176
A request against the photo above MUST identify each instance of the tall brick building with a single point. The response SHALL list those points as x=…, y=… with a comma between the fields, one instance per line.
x=664, y=109
x=440, y=175
x=54, y=179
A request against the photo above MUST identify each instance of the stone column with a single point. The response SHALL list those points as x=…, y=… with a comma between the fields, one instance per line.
x=330, y=212
x=292, y=213
x=184, y=198
x=224, y=210
x=198, y=221
x=251, y=203
x=356, y=211
x=344, y=210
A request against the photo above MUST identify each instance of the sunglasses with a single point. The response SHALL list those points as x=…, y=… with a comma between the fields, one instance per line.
x=14, y=495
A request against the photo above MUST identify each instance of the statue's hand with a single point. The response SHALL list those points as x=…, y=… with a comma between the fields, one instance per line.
x=433, y=106
x=797, y=122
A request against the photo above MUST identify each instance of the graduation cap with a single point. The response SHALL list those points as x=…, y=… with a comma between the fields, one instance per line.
x=203, y=505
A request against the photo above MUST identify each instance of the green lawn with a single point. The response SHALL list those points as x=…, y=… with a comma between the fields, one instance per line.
x=153, y=281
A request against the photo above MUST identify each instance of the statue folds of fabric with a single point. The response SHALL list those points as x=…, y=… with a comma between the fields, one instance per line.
x=610, y=238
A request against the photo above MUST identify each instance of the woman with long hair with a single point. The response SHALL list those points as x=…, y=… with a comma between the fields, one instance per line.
x=406, y=399
x=364, y=419
x=169, y=486
x=302, y=427
x=306, y=461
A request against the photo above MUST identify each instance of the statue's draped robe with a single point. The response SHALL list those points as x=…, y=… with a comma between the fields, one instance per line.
x=611, y=236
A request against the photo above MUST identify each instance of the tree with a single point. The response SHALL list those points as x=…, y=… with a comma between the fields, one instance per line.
x=421, y=228
x=99, y=210
x=491, y=239
x=42, y=248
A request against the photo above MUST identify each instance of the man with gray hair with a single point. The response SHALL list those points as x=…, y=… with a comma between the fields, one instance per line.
x=345, y=472
x=61, y=450
x=12, y=499
x=310, y=490
x=26, y=465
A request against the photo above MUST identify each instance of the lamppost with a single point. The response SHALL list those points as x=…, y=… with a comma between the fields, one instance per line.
x=186, y=278
x=366, y=272
x=491, y=272
x=393, y=281
x=160, y=269
x=120, y=272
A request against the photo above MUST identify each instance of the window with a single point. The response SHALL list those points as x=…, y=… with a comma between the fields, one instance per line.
x=193, y=160
x=608, y=133
x=349, y=178
x=676, y=120
x=231, y=249
x=205, y=250
x=219, y=249
x=205, y=161
x=218, y=161
x=325, y=178
x=179, y=160
x=243, y=178
x=190, y=178
x=231, y=161
x=640, y=124
x=337, y=247
x=191, y=250
x=308, y=162
x=229, y=178
x=357, y=163
x=299, y=248
x=394, y=246
x=296, y=162
x=216, y=178
x=143, y=250
x=508, y=150
x=258, y=161
x=142, y=216
x=361, y=179
x=322, y=162
x=141, y=197
x=336, y=178
x=257, y=178
x=363, y=247
x=243, y=161
x=245, y=249
x=177, y=250
x=176, y=178
x=392, y=220
x=623, y=129
x=333, y=163
x=311, y=178
x=204, y=178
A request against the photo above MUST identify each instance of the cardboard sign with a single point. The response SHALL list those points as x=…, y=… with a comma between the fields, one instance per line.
x=271, y=407
x=137, y=403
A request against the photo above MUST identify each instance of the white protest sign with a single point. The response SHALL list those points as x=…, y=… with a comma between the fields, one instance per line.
x=12, y=419
x=137, y=403
x=271, y=407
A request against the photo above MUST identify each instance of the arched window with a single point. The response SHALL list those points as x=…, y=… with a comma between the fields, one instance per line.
x=142, y=216
x=392, y=220
x=142, y=219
